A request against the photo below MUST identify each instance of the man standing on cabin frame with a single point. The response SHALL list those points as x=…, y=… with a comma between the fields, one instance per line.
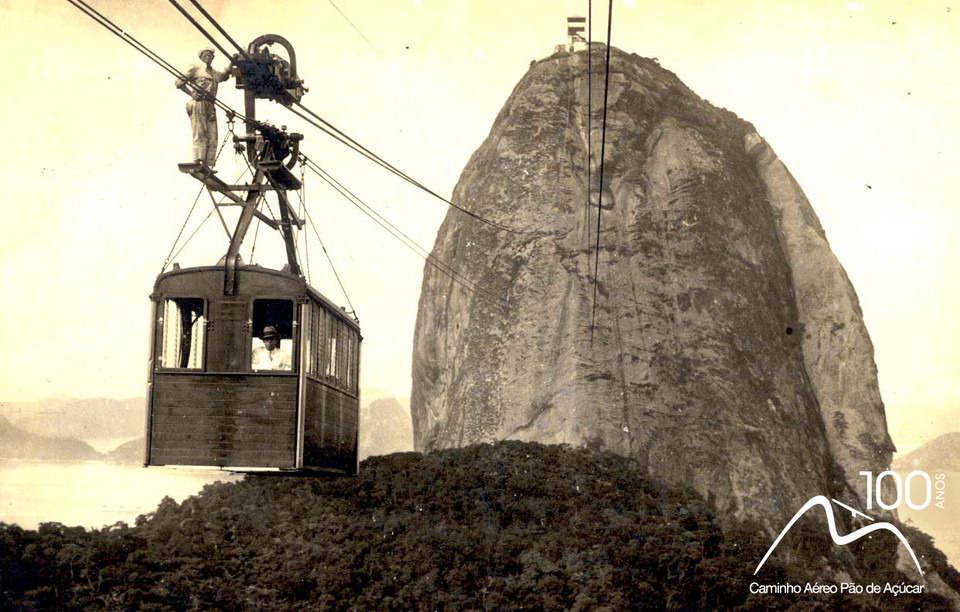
x=201, y=83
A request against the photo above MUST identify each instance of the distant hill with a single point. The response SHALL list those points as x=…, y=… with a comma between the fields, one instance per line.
x=17, y=410
x=489, y=527
x=368, y=395
x=385, y=427
x=16, y=443
x=83, y=419
x=99, y=418
x=131, y=452
x=941, y=454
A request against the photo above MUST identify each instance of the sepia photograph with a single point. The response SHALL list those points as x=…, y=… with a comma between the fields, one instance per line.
x=480, y=305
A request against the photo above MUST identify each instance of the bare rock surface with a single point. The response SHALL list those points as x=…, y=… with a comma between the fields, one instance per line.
x=728, y=350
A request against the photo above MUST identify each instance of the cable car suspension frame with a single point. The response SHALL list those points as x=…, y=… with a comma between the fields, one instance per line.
x=271, y=151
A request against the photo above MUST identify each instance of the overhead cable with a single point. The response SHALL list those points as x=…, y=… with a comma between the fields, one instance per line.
x=384, y=222
x=342, y=14
x=603, y=145
x=170, y=256
x=589, y=100
x=146, y=51
x=333, y=131
x=199, y=27
x=220, y=29
x=589, y=117
x=120, y=33
x=411, y=244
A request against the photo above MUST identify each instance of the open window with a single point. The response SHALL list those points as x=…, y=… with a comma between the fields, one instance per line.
x=183, y=328
x=272, y=345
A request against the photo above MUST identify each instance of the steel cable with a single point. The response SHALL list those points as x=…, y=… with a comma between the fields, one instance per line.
x=603, y=145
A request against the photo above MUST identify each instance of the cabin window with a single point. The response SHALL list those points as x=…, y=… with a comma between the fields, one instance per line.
x=332, y=337
x=184, y=327
x=315, y=341
x=333, y=350
x=272, y=345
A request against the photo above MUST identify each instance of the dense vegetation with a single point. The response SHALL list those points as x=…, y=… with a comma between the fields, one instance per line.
x=509, y=526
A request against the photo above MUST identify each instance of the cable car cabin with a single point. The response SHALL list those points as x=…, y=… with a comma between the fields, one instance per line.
x=217, y=396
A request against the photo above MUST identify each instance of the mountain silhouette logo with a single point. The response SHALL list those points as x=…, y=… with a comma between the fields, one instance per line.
x=823, y=502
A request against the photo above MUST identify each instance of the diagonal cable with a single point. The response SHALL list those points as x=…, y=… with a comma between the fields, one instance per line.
x=362, y=35
x=323, y=247
x=189, y=214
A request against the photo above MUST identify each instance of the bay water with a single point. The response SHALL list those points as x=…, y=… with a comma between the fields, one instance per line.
x=93, y=494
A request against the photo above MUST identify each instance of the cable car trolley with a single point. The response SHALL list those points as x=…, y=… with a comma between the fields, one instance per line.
x=251, y=369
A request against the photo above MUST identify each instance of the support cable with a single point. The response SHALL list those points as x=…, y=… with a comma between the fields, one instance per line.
x=393, y=229
x=323, y=247
x=187, y=241
x=353, y=25
x=589, y=101
x=266, y=203
x=149, y=54
x=189, y=214
x=199, y=27
x=170, y=255
x=603, y=145
x=337, y=134
x=302, y=196
x=411, y=244
x=220, y=29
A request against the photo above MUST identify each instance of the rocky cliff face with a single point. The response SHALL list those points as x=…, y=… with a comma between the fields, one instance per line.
x=729, y=350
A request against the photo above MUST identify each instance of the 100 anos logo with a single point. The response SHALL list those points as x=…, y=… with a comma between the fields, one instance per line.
x=934, y=489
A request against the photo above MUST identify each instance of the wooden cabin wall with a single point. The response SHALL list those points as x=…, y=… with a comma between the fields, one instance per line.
x=243, y=420
x=330, y=428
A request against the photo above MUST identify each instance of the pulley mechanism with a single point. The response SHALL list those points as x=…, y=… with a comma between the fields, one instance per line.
x=266, y=75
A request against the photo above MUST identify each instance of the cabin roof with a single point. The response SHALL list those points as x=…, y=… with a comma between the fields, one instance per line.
x=284, y=282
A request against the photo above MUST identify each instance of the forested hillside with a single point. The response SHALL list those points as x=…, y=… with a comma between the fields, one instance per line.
x=506, y=526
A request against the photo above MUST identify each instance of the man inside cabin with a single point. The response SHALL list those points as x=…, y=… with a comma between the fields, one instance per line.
x=201, y=83
x=270, y=356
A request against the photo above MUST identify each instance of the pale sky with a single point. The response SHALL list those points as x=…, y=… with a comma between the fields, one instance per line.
x=859, y=99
